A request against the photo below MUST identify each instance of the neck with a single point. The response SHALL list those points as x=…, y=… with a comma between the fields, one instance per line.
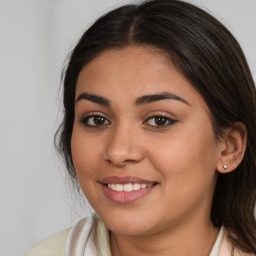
x=196, y=239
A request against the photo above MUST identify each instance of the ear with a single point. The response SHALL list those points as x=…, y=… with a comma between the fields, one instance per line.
x=232, y=148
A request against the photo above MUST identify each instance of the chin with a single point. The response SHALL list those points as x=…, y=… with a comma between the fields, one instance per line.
x=129, y=230
x=125, y=224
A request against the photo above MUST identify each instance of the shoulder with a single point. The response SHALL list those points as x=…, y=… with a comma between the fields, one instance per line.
x=66, y=240
x=227, y=248
x=51, y=246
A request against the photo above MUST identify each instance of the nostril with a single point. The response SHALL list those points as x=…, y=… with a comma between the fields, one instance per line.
x=120, y=161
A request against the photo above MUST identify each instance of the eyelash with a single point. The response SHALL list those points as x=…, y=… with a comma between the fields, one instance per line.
x=167, y=121
x=86, y=119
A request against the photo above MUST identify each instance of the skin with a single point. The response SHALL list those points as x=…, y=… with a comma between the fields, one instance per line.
x=182, y=156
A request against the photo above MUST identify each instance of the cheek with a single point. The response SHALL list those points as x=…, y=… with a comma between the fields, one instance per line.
x=186, y=160
x=84, y=155
x=86, y=163
x=188, y=174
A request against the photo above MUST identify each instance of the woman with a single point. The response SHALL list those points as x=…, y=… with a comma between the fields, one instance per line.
x=159, y=132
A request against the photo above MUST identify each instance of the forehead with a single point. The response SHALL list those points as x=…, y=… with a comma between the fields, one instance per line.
x=133, y=72
x=127, y=62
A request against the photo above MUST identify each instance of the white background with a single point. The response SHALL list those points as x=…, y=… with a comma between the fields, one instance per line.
x=35, y=38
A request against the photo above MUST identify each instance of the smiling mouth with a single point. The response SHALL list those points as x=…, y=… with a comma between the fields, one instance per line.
x=128, y=187
x=127, y=192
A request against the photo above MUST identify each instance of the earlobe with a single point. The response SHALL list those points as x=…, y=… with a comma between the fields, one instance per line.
x=232, y=148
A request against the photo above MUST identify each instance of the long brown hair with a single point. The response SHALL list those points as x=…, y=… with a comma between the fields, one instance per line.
x=212, y=60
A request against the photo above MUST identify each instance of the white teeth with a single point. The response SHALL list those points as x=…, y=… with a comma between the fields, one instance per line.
x=128, y=187
x=112, y=186
x=136, y=186
x=119, y=187
x=143, y=185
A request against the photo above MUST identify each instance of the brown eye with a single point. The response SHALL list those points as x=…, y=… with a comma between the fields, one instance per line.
x=160, y=121
x=95, y=120
x=99, y=120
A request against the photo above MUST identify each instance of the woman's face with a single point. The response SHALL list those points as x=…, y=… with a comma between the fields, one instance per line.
x=143, y=130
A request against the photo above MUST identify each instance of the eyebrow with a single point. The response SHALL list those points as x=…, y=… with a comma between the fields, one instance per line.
x=160, y=96
x=146, y=99
x=93, y=98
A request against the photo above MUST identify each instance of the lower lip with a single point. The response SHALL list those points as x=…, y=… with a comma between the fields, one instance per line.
x=126, y=197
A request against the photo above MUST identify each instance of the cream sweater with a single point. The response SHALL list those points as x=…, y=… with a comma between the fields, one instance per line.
x=79, y=240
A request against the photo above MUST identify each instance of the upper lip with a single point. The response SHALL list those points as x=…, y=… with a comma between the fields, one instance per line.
x=125, y=180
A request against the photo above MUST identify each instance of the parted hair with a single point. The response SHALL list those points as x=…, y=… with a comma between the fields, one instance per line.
x=207, y=54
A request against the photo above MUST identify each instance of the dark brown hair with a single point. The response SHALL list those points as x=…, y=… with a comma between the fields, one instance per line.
x=212, y=60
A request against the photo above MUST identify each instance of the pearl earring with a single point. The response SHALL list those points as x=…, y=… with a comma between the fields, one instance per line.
x=225, y=167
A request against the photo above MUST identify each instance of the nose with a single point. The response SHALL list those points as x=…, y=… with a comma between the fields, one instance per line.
x=123, y=147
